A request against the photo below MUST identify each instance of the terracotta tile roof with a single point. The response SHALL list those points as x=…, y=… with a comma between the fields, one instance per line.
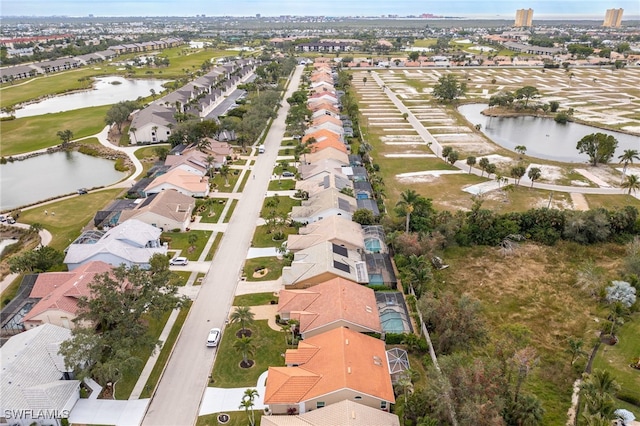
x=289, y=384
x=344, y=359
x=61, y=290
x=327, y=119
x=181, y=179
x=329, y=153
x=331, y=301
x=323, y=105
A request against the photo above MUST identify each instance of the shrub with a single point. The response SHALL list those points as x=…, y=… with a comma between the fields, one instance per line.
x=394, y=338
x=561, y=117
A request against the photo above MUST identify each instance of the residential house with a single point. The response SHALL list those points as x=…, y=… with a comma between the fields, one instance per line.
x=328, y=368
x=167, y=210
x=323, y=262
x=320, y=183
x=343, y=413
x=320, y=112
x=185, y=182
x=152, y=124
x=329, y=202
x=131, y=243
x=58, y=294
x=322, y=135
x=321, y=167
x=329, y=153
x=331, y=304
x=34, y=381
x=334, y=229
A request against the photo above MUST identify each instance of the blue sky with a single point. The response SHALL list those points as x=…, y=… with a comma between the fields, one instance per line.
x=501, y=8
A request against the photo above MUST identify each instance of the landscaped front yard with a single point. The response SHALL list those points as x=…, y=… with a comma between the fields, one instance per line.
x=189, y=249
x=271, y=265
x=269, y=344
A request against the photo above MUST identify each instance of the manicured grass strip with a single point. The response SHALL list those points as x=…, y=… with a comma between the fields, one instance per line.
x=262, y=239
x=282, y=185
x=269, y=344
x=227, y=218
x=212, y=209
x=125, y=385
x=33, y=133
x=255, y=299
x=10, y=292
x=220, y=183
x=245, y=179
x=167, y=347
x=183, y=277
x=285, y=204
x=618, y=357
x=71, y=216
x=199, y=278
x=273, y=264
x=236, y=418
x=180, y=241
x=214, y=247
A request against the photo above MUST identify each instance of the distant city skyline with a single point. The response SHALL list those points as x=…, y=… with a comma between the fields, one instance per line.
x=502, y=9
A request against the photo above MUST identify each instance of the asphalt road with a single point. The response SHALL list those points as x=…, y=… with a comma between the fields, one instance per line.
x=178, y=396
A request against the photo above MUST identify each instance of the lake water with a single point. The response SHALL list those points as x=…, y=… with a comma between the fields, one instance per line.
x=543, y=137
x=49, y=175
x=104, y=92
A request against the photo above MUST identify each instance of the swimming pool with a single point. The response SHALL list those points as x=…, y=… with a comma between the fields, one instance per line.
x=393, y=321
x=372, y=245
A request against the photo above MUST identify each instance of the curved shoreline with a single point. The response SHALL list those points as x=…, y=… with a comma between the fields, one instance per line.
x=499, y=112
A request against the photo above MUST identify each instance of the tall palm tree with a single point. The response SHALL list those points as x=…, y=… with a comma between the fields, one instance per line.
x=471, y=161
x=243, y=315
x=575, y=349
x=210, y=160
x=224, y=172
x=598, y=390
x=407, y=203
x=133, y=131
x=632, y=184
x=627, y=158
x=534, y=174
x=247, y=403
x=246, y=347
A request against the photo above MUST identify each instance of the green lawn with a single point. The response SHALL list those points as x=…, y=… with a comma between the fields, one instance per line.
x=236, y=418
x=611, y=201
x=282, y=185
x=227, y=218
x=273, y=264
x=617, y=359
x=10, y=292
x=212, y=208
x=71, y=215
x=426, y=42
x=214, y=247
x=255, y=299
x=262, y=239
x=269, y=344
x=33, y=133
x=183, y=277
x=167, y=347
x=126, y=384
x=284, y=204
x=227, y=185
x=180, y=241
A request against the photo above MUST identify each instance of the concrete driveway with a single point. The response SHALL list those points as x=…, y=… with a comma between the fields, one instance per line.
x=220, y=400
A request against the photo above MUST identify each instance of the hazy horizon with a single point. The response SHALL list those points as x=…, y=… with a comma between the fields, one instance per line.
x=497, y=9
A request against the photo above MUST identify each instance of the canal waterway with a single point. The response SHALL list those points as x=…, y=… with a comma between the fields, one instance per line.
x=543, y=137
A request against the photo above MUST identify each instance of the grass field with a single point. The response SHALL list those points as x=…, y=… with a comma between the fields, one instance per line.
x=236, y=418
x=255, y=299
x=282, y=185
x=33, y=133
x=269, y=344
x=534, y=287
x=71, y=216
x=285, y=204
x=611, y=201
x=617, y=359
x=213, y=209
x=272, y=264
x=180, y=241
x=262, y=239
x=167, y=347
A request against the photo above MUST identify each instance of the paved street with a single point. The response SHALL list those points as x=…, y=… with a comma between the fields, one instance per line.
x=180, y=390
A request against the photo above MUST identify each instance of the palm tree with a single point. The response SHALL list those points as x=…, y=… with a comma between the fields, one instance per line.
x=224, y=172
x=407, y=202
x=534, y=174
x=520, y=149
x=575, y=349
x=247, y=404
x=491, y=168
x=627, y=158
x=210, y=160
x=293, y=324
x=245, y=346
x=452, y=157
x=133, y=131
x=471, y=161
x=598, y=390
x=483, y=163
x=243, y=315
x=632, y=184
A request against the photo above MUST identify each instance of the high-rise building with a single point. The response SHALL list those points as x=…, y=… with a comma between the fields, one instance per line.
x=613, y=18
x=524, y=17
